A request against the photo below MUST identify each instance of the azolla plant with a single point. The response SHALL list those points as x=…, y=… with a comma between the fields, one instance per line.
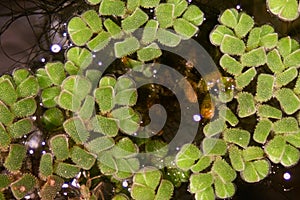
x=90, y=120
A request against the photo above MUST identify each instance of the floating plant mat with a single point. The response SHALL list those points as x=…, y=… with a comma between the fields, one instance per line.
x=131, y=106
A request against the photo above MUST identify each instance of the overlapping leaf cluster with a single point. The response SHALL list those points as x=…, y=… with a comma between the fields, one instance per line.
x=246, y=49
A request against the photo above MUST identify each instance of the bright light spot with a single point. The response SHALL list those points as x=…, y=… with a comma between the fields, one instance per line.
x=197, y=118
x=287, y=176
x=27, y=197
x=154, y=71
x=43, y=60
x=65, y=193
x=125, y=184
x=31, y=151
x=43, y=152
x=238, y=7
x=75, y=183
x=94, y=56
x=33, y=117
x=43, y=143
x=177, y=148
x=64, y=34
x=55, y=48
x=65, y=185
x=99, y=63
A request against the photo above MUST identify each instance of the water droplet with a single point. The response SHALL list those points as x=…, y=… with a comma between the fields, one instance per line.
x=65, y=193
x=43, y=60
x=238, y=7
x=64, y=34
x=94, y=55
x=65, y=185
x=287, y=176
x=31, y=151
x=100, y=63
x=55, y=48
x=177, y=148
x=43, y=143
x=125, y=184
x=197, y=118
x=43, y=152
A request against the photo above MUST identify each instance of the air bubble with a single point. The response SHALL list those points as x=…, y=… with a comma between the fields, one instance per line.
x=287, y=176
x=55, y=48
x=197, y=118
x=125, y=184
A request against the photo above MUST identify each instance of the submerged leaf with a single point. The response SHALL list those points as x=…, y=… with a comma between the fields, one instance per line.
x=126, y=47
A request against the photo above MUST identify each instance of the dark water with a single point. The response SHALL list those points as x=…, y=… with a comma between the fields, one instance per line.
x=30, y=28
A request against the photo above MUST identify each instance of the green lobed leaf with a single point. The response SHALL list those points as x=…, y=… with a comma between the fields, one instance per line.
x=53, y=118
x=254, y=38
x=99, y=42
x=66, y=170
x=8, y=93
x=149, y=52
x=207, y=194
x=237, y=136
x=113, y=29
x=287, y=45
x=92, y=19
x=46, y=166
x=228, y=115
x=15, y=158
x=164, y=13
x=135, y=20
x=5, y=138
x=55, y=72
x=149, y=32
x=168, y=38
x=50, y=189
x=200, y=182
x=214, y=127
x=264, y=88
x=29, y=87
x=87, y=109
x=59, y=146
x=274, y=61
x=81, y=57
x=49, y=95
x=184, y=28
x=246, y=105
x=24, y=107
x=285, y=10
x=262, y=131
x=244, y=25
x=223, y=190
x=187, y=156
x=232, y=45
x=149, y=3
x=124, y=148
x=286, y=77
x=4, y=181
x=100, y=144
x=6, y=117
x=82, y=158
x=112, y=7
x=104, y=96
x=127, y=97
x=288, y=100
x=231, y=65
x=19, y=128
x=19, y=75
x=293, y=139
x=140, y=192
x=165, y=190
x=217, y=35
x=224, y=171
x=79, y=32
x=203, y=163
x=105, y=125
x=23, y=186
x=286, y=125
x=290, y=157
x=254, y=58
x=236, y=158
x=267, y=111
x=255, y=171
x=193, y=14
x=214, y=147
x=253, y=153
x=76, y=129
x=245, y=78
x=229, y=18
x=68, y=101
x=126, y=47
x=275, y=149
